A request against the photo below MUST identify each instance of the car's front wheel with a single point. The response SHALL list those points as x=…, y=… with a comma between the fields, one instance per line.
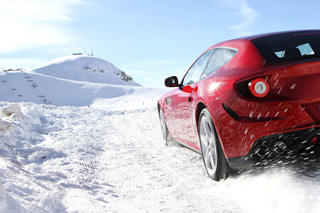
x=213, y=157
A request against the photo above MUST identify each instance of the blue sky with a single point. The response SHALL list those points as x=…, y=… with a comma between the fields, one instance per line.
x=148, y=39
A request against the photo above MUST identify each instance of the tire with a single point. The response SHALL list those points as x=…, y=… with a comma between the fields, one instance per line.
x=165, y=133
x=213, y=157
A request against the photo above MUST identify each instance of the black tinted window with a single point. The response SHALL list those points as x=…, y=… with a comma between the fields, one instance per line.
x=289, y=47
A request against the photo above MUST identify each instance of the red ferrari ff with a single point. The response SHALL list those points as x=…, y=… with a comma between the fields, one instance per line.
x=247, y=99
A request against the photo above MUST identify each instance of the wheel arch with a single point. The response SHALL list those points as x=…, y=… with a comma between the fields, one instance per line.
x=159, y=108
x=199, y=108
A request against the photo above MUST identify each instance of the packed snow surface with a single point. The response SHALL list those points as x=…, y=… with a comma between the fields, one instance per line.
x=113, y=159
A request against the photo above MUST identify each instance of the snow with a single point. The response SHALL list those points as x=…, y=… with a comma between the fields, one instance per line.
x=67, y=82
x=274, y=191
x=106, y=154
x=12, y=109
x=84, y=68
x=85, y=159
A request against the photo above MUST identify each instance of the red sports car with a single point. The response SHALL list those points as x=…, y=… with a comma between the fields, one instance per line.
x=247, y=99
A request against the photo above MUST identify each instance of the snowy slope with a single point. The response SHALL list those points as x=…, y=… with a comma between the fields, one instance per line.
x=113, y=159
x=85, y=68
x=66, y=81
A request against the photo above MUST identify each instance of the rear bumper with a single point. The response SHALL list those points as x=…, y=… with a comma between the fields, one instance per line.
x=241, y=123
x=290, y=145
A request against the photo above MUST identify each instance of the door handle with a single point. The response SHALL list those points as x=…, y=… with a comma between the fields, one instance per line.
x=168, y=101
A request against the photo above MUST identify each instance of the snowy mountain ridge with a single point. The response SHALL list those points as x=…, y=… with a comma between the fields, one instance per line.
x=76, y=80
x=86, y=68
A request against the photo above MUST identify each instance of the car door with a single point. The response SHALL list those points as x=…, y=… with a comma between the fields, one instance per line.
x=181, y=101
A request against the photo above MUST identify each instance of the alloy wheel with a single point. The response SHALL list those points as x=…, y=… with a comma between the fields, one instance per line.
x=208, y=146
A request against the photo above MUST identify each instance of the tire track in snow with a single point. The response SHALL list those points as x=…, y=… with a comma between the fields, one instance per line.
x=93, y=193
x=81, y=140
x=125, y=167
x=149, y=176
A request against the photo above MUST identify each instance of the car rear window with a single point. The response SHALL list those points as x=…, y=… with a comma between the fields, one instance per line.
x=289, y=47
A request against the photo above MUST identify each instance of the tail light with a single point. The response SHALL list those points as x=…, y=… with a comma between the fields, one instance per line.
x=259, y=87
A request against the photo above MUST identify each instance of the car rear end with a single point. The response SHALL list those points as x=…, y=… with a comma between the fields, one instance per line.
x=285, y=120
x=293, y=71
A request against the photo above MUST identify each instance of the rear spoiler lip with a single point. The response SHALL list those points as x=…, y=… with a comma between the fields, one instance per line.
x=272, y=66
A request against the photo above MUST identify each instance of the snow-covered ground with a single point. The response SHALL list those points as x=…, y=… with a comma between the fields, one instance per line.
x=99, y=149
x=84, y=159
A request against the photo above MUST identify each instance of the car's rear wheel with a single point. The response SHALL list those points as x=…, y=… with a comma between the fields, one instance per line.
x=165, y=133
x=214, y=160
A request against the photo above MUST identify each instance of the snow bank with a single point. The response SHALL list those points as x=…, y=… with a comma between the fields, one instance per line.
x=4, y=126
x=21, y=150
x=12, y=109
x=3, y=199
x=8, y=204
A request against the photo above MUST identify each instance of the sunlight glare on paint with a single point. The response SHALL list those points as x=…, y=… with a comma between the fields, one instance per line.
x=214, y=86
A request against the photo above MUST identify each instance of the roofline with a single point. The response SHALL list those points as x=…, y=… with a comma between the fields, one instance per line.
x=278, y=33
x=257, y=36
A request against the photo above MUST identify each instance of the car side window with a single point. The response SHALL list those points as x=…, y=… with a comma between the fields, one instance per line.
x=220, y=57
x=194, y=73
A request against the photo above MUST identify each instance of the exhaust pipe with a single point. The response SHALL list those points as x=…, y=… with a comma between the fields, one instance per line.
x=279, y=147
x=262, y=151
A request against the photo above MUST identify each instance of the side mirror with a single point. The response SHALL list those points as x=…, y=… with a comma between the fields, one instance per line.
x=171, y=81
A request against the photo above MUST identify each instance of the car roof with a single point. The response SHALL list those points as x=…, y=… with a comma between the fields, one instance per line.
x=252, y=37
x=235, y=42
